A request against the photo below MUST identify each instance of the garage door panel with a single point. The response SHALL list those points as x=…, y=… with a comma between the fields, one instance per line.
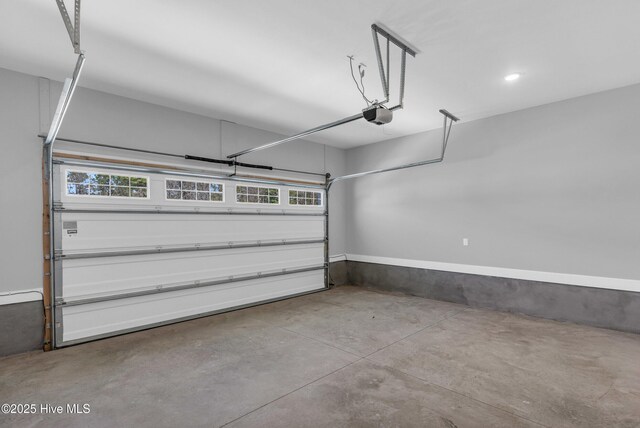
x=111, y=317
x=129, y=257
x=109, y=275
x=86, y=231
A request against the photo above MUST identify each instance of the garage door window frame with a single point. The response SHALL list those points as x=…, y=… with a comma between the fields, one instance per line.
x=268, y=196
x=147, y=187
x=316, y=195
x=195, y=190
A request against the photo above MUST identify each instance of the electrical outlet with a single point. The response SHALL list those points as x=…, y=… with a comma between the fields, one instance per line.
x=465, y=242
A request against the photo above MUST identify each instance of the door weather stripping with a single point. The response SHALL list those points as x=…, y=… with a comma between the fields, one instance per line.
x=83, y=300
x=449, y=119
x=377, y=32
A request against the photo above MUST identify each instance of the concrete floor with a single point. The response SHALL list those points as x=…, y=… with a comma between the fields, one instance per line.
x=346, y=357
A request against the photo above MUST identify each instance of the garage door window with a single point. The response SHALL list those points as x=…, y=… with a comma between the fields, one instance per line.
x=202, y=191
x=302, y=197
x=82, y=183
x=257, y=195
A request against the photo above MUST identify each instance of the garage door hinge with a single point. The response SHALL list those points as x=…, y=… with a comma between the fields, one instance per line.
x=59, y=301
x=57, y=205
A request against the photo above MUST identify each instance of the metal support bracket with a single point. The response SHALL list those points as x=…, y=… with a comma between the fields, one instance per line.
x=449, y=119
x=385, y=74
x=72, y=28
x=68, y=89
x=446, y=129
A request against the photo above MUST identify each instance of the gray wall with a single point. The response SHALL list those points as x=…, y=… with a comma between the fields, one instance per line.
x=552, y=188
x=20, y=188
x=101, y=117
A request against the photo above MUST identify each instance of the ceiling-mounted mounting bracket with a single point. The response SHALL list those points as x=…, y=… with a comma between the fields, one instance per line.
x=72, y=28
x=446, y=129
x=377, y=31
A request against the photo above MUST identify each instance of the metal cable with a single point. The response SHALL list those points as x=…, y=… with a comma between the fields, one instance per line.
x=361, y=72
x=366, y=100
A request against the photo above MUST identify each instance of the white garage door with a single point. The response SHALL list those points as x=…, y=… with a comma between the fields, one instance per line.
x=136, y=249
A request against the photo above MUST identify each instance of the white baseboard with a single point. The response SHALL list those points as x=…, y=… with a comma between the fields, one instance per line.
x=337, y=258
x=20, y=296
x=531, y=275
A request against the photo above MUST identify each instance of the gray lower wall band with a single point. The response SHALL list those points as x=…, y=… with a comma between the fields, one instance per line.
x=614, y=309
x=338, y=273
x=21, y=327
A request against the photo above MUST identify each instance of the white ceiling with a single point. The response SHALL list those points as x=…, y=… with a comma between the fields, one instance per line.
x=281, y=64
